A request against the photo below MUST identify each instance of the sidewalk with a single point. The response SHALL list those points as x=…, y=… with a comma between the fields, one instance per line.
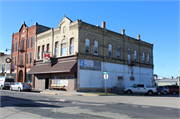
x=67, y=93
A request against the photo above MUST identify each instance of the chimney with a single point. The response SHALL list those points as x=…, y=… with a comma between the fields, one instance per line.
x=123, y=31
x=171, y=77
x=138, y=37
x=35, y=23
x=103, y=24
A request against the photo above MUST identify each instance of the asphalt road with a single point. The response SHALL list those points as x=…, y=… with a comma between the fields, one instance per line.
x=32, y=105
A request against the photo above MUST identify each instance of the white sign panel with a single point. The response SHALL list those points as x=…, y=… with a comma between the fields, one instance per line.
x=46, y=57
x=88, y=63
x=106, y=76
x=64, y=82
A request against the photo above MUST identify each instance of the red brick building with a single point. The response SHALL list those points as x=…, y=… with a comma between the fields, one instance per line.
x=22, y=51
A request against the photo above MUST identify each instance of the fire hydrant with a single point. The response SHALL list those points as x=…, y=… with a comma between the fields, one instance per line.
x=111, y=90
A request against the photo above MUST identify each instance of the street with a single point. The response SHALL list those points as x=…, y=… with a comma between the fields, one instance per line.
x=34, y=105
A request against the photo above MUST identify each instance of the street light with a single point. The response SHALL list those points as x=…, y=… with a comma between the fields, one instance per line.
x=7, y=49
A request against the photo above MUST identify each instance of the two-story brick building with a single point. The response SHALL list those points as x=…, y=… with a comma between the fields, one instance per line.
x=22, y=51
x=81, y=52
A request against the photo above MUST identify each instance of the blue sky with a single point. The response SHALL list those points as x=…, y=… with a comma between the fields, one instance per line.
x=156, y=21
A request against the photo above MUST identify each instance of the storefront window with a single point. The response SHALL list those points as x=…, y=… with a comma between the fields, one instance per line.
x=29, y=78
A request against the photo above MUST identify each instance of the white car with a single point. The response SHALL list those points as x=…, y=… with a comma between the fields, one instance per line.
x=20, y=86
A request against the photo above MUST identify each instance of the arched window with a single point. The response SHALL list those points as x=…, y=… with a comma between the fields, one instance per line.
x=72, y=46
x=63, y=47
x=110, y=50
x=118, y=52
x=56, y=49
x=143, y=57
x=47, y=50
x=87, y=44
x=95, y=47
x=135, y=55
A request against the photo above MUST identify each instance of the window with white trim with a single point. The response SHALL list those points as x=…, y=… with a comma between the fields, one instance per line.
x=42, y=52
x=38, y=53
x=143, y=57
x=56, y=49
x=110, y=50
x=87, y=45
x=95, y=47
x=135, y=55
x=63, y=47
x=148, y=58
x=47, y=49
x=72, y=46
x=118, y=52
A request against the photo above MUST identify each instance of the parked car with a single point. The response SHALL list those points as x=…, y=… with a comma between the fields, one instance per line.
x=160, y=90
x=164, y=88
x=21, y=86
x=173, y=89
x=140, y=88
x=6, y=81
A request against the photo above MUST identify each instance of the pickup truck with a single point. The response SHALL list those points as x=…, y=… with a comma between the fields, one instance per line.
x=140, y=88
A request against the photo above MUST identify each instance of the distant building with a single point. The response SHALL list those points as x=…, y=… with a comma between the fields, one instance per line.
x=167, y=81
x=5, y=67
x=81, y=52
x=22, y=51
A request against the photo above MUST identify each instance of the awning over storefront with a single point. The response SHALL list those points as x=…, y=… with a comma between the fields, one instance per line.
x=56, y=68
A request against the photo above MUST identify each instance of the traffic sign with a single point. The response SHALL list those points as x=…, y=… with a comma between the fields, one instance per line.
x=106, y=76
x=105, y=72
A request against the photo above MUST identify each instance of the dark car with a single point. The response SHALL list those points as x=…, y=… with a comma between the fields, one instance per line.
x=160, y=90
x=165, y=88
x=173, y=89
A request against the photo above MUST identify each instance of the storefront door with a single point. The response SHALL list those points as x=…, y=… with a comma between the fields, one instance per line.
x=47, y=83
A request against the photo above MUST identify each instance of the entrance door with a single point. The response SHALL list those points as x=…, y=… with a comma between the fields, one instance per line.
x=20, y=78
x=47, y=83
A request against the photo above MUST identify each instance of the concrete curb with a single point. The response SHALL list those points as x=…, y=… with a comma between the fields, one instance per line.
x=69, y=94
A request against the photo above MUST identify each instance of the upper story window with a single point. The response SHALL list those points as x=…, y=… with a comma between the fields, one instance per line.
x=63, y=47
x=129, y=55
x=27, y=58
x=135, y=55
x=110, y=50
x=72, y=46
x=31, y=57
x=143, y=57
x=56, y=49
x=148, y=58
x=15, y=60
x=42, y=51
x=28, y=42
x=118, y=52
x=87, y=45
x=47, y=49
x=95, y=47
x=32, y=42
x=22, y=44
x=38, y=54
x=16, y=46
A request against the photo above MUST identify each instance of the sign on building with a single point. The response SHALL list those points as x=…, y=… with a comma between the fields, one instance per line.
x=46, y=57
